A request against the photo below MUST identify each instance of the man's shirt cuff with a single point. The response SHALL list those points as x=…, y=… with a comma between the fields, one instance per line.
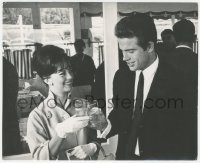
x=105, y=132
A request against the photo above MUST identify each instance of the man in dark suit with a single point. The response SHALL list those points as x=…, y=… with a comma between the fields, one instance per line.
x=169, y=42
x=183, y=57
x=11, y=134
x=151, y=113
x=83, y=67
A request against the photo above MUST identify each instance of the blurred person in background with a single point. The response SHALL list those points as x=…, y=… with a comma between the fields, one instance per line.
x=98, y=89
x=168, y=39
x=11, y=134
x=167, y=45
x=183, y=57
x=185, y=60
x=82, y=65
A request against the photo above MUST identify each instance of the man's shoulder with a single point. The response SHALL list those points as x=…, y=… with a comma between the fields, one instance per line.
x=88, y=58
x=124, y=74
x=184, y=52
x=184, y=59
x=73, y=58
x=122, y=71
x=167, y=68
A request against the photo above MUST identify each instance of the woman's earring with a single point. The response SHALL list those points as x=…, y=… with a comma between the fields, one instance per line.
x=50, y=83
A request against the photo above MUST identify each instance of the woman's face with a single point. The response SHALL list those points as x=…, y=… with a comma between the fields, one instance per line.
x=61, y=81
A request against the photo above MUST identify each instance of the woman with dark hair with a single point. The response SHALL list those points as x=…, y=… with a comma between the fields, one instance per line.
x=52, y=126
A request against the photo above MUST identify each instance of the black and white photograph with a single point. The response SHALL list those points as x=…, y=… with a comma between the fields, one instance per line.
x=99, y=80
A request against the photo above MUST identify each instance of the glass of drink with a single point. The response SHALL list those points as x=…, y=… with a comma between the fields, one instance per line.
x=97, y=118
x=81, y=110
x=81, y=107
x=92, y=104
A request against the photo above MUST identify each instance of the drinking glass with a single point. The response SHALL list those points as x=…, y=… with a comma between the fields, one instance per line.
x=81, y=110
x=92, y=104
x=97, y=118
x=81, y=107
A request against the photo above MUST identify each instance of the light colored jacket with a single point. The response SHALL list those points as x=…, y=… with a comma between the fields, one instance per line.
x=41, y=128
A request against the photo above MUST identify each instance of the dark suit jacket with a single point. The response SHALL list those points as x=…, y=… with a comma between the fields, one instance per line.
x=168, y=126
x=11, y=133
x=185, y=60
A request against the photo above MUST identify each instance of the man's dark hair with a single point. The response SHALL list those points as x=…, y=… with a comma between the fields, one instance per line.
x=79, y=45
x=184, y=31
x=140, y=25
x=166, y=32
x=48, y=58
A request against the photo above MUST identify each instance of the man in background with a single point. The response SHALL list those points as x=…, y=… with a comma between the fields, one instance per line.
x=82, y=66
x=183, y=57
x=168, y=44
x=168, y=39
x=11, y=136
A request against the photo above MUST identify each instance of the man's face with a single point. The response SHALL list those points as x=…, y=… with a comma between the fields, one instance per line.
x=134, y=55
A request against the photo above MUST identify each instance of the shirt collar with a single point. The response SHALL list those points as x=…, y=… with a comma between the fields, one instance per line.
x=183, y=46
x=151, y=70
x=52, y=101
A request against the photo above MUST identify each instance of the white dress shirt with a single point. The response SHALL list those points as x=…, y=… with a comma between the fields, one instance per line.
x=148, y=73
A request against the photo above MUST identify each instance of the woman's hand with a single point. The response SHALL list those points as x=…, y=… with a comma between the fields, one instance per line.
x=83, y=151
x=70, y=125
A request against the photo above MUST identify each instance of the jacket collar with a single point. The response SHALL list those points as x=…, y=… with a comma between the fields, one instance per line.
x=151, y=70
x=183, y=46
x=52, y=100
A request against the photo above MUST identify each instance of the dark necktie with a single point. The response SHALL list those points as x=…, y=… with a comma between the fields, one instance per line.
x=137, y=114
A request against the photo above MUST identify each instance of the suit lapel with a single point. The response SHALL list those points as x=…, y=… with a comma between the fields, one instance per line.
x=158, y=86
